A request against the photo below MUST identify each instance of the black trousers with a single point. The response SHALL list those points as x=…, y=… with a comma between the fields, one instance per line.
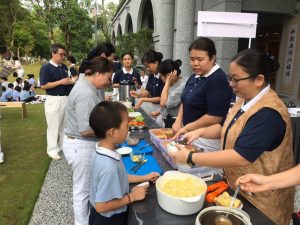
x=169, y=121
x=117, y=219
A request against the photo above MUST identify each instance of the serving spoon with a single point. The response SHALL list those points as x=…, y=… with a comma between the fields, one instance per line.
x=224, y=220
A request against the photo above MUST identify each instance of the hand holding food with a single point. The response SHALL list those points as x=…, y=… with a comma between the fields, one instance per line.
x=181, y=155
x=138, y=193
x=134, y=94
x=192, y=135
x=138, y=105
x=183, y=130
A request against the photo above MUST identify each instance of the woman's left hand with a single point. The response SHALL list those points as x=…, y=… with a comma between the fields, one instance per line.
x=138, y=105
x=134, y=94
x=153, y=176
x=181, y=155
x=182, y=130
x=154, y=114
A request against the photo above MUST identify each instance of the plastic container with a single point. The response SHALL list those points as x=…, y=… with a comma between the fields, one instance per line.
x=155, y=139
x=200, y=171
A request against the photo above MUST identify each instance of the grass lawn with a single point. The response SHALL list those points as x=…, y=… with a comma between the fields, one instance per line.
x=23, y=142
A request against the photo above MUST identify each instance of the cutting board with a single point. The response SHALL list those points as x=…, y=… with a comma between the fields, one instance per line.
x=150, y=166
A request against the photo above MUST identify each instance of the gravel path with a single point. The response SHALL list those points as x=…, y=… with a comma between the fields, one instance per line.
x=54, y=205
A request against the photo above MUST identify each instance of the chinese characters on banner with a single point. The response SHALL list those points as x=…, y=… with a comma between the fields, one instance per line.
x=290, y=54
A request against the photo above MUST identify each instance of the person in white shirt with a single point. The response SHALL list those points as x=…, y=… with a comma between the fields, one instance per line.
x=18, y=67
x=144, y=78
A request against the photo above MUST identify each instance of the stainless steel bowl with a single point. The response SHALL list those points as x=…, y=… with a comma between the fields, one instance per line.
x=207, y=216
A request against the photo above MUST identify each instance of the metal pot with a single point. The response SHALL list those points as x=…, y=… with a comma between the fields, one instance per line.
x=124, y=91
x=207, y=216
x=177, y=205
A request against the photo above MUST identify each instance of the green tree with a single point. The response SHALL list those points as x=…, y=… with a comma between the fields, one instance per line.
x=137, y=43
x=104, y=19
x=22, y=38
x=75, y=24
x=41, y=41
x=45, y=10
x=10, y=11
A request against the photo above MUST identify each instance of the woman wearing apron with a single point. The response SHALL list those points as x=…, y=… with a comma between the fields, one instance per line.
x=256, y=136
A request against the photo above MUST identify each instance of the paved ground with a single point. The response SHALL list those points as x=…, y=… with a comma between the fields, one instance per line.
x=54, y=205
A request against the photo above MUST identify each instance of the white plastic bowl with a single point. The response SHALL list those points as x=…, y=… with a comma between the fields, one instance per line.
x=177, y=205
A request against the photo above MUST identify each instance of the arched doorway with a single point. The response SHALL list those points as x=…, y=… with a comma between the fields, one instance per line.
x=119, y=31
x=113, y=38
x=128, y=24
x=145, y=18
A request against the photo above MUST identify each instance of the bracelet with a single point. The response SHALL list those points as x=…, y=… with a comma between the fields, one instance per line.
x=127, y=194
x=189, y=159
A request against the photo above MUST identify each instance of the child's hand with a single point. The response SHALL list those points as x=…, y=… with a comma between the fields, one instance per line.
x=153, y=176
x=138, y=193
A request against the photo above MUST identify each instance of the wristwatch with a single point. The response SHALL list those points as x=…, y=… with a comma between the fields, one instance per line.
x=189, y=159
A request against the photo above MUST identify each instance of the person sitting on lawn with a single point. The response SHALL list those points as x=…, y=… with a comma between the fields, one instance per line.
x=31, y=80
x=19, y=82
x=4, y=81
x=7, y=93
x=16, y=94
x=109, y=190
x=27, y=95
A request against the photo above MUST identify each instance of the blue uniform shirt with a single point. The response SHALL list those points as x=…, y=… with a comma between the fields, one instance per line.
x=206, y=95
x=108, y=179
x=16, y=95
x=264, y=131
x=7, y=95
x=154, y=86
x=51, y=73
x=122, y=75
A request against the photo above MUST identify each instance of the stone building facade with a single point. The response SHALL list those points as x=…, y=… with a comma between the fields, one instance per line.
x=174, y=25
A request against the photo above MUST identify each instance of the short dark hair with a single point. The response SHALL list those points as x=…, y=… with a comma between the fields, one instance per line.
x=98, y=64
x=18, y=88
x=3, y=88
x=4, y=78
x=204, y=44
x=26, y=87
x=54, y=48
x=127, y=53
x=30, y=75
x=26, y=82
x=152, y=56
x=71, y=59
x=255, y=62
x=106, y=115
x=168, y=65
x=10, y=85
x=107, y=48
x=19, y=79
x=15, y=58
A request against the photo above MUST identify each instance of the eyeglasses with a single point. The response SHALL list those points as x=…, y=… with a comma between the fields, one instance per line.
x=61, y=54
x=235, y=81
